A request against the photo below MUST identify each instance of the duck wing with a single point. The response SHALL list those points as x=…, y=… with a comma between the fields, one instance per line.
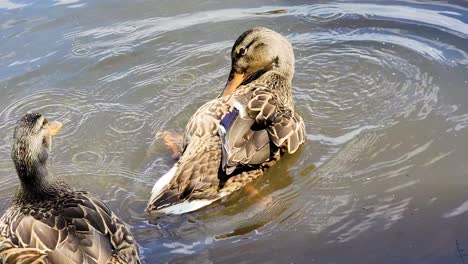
x=10, y=253
x=83, y=230
x=257, y=128
x=193, y=181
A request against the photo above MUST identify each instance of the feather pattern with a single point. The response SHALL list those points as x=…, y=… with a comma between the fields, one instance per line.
x=267, y=127
x=223, y=151
x=48, y=221
x=73, y=228
x=232, y=139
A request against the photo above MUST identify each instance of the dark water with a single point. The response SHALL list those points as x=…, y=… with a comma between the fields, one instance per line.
x=382, y=86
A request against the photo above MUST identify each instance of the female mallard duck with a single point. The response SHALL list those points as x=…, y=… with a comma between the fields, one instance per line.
x=232, y=139
x=49, y=222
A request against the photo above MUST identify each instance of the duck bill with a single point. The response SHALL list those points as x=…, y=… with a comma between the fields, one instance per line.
x=235, y=79
x=54, y=127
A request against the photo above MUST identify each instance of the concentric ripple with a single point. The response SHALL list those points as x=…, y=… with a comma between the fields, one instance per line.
x=55, y=104
x=128, y=123
x=382, y=87
x=361, y=86
x=88, y=158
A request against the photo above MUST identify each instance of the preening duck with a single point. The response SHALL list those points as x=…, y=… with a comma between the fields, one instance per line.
x=232, y=139
x=48, y=221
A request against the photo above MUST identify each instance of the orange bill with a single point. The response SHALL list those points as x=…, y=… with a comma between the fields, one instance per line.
x=54, y=127
x=236, y=80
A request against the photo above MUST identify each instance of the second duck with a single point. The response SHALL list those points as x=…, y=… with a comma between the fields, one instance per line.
x=232, y=139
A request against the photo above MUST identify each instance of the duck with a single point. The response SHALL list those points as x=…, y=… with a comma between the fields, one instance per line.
x=49, y=221
x=231, y=140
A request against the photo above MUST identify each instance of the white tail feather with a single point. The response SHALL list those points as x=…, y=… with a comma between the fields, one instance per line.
x=162, y=182
x=185, y=207
x=180, y=208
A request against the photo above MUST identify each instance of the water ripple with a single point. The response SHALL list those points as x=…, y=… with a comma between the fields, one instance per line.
x=358, y=87
x=63, y=105
x=128, y=123
x=381, y=87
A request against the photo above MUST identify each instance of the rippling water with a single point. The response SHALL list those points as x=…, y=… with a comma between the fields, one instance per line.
x=382, y=87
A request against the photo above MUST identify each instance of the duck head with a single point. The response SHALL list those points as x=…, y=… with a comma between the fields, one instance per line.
x=257, y=51
x=32, y=143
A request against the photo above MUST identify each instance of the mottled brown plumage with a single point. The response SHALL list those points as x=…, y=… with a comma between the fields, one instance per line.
x=232, y=139
x=49, y=222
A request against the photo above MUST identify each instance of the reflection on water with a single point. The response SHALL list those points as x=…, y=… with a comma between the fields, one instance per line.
x=382, y=87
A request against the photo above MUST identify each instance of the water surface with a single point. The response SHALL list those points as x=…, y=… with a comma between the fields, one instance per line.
x=382, y=87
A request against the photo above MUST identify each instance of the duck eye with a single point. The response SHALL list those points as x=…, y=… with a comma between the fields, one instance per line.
x=44, y=123
x=241, y=51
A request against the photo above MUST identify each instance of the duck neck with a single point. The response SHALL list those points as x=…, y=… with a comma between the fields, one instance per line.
x=36, y=184
x=278, y=84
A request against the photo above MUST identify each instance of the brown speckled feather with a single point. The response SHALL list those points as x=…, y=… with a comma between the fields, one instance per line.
x=263, y=126
x=214, y=163
x=196, y=176
x=230, y=140
x=10, y=253
x=74, y=228
x=49, y=222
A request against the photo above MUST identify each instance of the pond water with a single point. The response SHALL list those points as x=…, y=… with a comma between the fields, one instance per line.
x=382, y=87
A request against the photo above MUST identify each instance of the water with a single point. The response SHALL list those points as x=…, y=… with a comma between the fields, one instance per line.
x=382, y=87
